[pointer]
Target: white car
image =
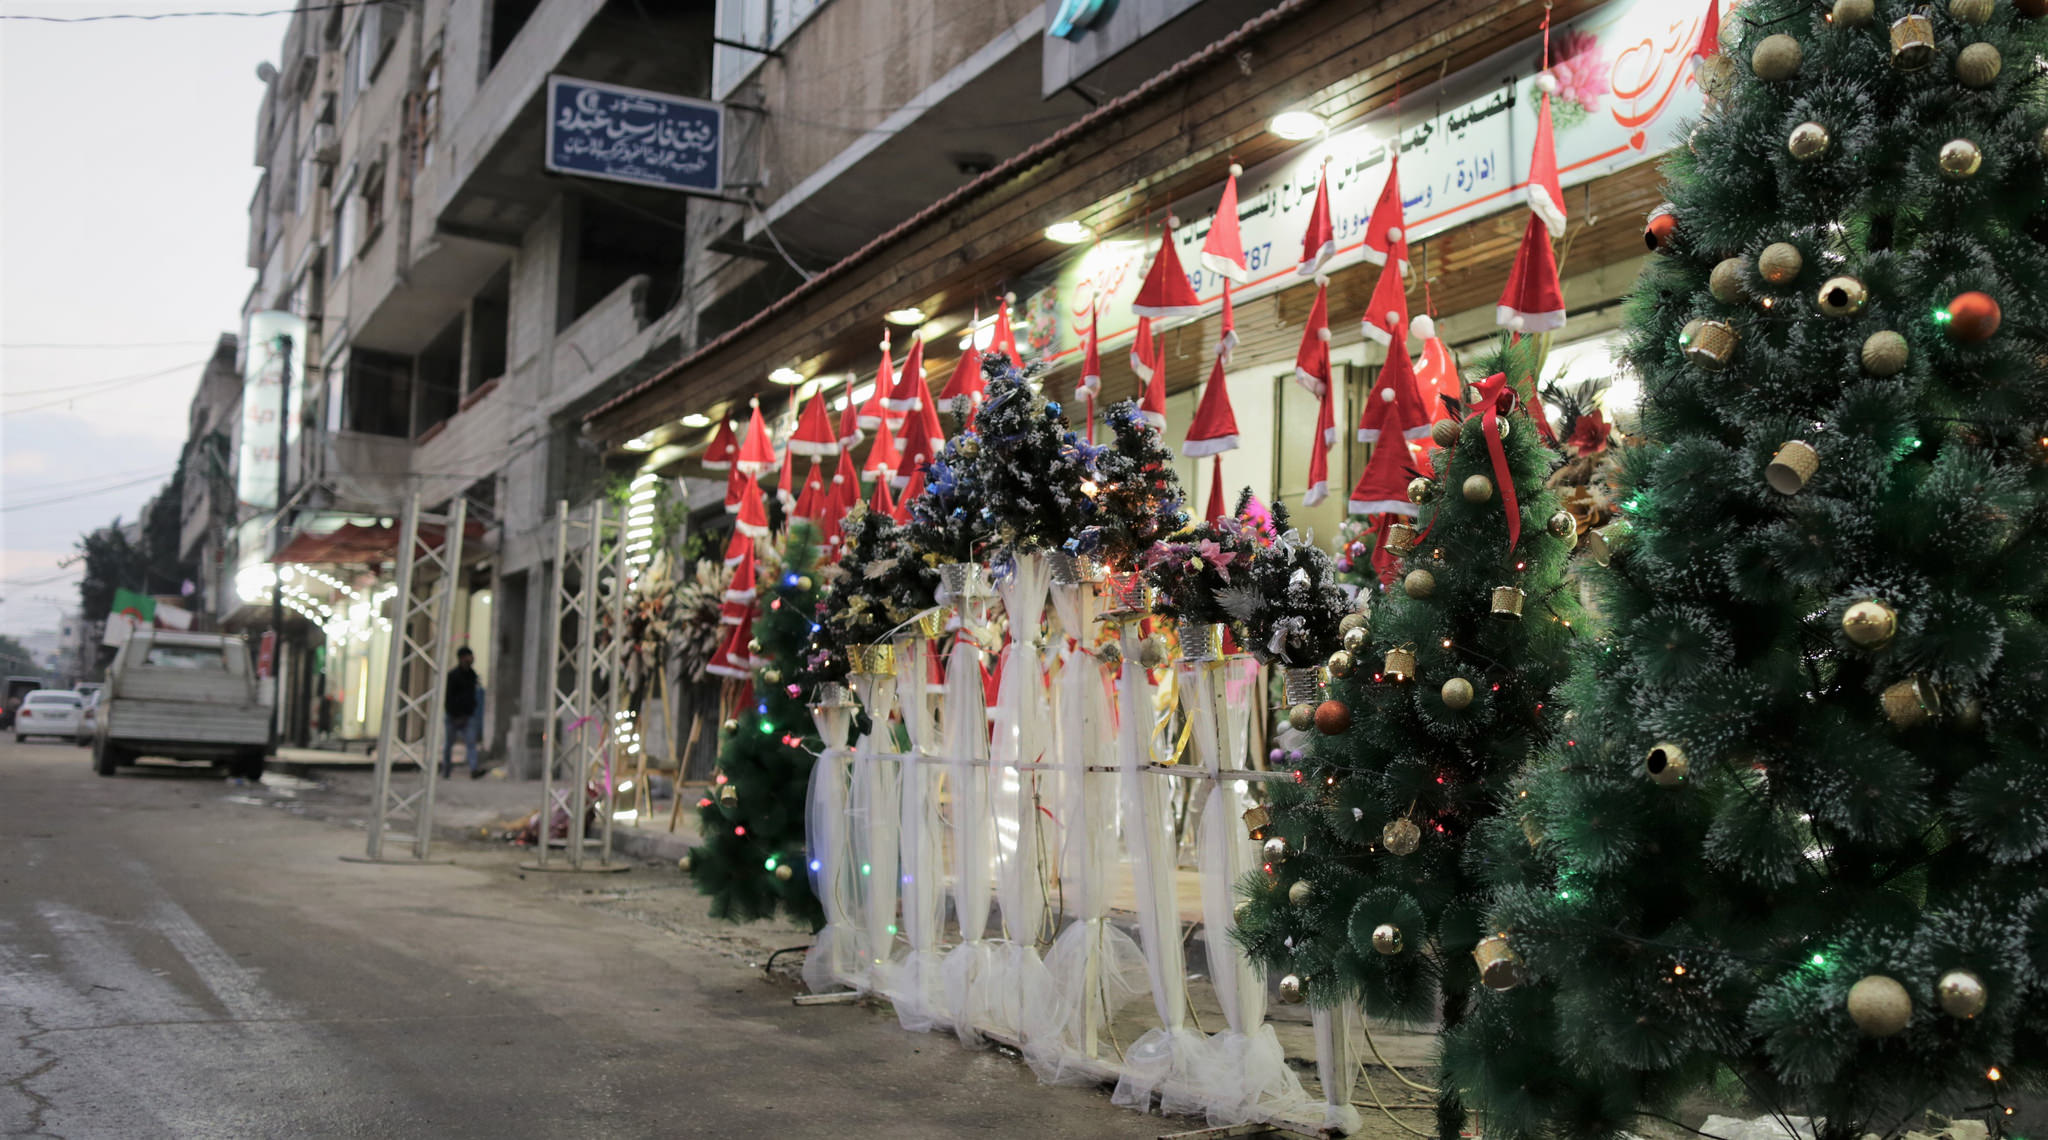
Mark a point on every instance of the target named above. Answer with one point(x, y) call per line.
point(88, 717)
point(48, 712)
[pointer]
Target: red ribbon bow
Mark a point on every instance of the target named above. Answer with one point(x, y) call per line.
point(1496, 397)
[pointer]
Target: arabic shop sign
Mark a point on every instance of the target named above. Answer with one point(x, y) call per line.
point(1625, 92)
point(623, 134)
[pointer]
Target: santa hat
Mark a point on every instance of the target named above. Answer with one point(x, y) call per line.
point(735, 489)
point(844, 489)
point(742, 586)
point(875, 413)
point(1227, 343)
point(1436, 373)
point(757, 454)
point(724, 445)
point(732, 658)
point(909, 393)
point(784, 490)
point(880, 502)
point(1218, 509)
point(932, 431)
point(1394, 408)
point(1709, 46)
point(1383, 485)
point(733, 613)
point(1152, 405)
point(1312, 359)
point(966, 379)
point(737, 547)
point(1005, 340)
point(753, 517)
point(1215, 427)
point(1166, 293)
point(1386, 315)
point(1319, 241)
point(1546, 193)
point(1223, 250)
point(1386, 235)
point(1144, 361)
point(901, 511)
point(1091, 361)
point(814, 435)
point(1532, 301)
point(882, 457)
point(1319, 451)
point(916, 450)
point(849, 422)
point(807, 503)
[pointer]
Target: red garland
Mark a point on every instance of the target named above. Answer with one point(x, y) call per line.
point(1494, 397)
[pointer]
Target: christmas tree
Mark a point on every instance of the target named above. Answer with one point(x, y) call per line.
point(1792, 842)
point(751, 854)
point(1031, 471)
point(1133, 497)
point(1435, 702)
point(946, 523)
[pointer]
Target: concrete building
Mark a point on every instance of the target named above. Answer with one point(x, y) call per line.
point(207, 513)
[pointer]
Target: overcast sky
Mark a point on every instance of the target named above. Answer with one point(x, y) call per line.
point(126, 165)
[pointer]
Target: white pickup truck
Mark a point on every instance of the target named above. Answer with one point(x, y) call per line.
point(185, 696)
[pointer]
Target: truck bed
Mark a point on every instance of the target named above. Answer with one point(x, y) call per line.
point(208, 727)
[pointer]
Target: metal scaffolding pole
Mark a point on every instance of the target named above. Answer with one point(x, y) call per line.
point(422, 630)
point(582, 683)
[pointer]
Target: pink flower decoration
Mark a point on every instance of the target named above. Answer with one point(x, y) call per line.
point(1581, 72)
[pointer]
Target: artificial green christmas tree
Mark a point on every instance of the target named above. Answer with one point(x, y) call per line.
point(751, 856)
point(1438, 699)
point(1792, 843)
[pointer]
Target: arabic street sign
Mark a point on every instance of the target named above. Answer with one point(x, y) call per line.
point(623, 134)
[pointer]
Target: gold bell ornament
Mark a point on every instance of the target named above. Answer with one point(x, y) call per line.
point(1500, 968)
point(1401, 836)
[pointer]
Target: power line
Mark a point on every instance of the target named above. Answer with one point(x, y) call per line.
point(76, 495)
point(91, 387)
point(188, 15)
point(50, 344)
point(68, 484)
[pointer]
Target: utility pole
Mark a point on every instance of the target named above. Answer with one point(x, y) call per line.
point(282, 346)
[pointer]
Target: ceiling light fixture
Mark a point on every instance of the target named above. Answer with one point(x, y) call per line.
point(1296, 125)
point(785, 376)
point(909, 318)
point(638, 443)
point(1069, 232)
point(693, 420)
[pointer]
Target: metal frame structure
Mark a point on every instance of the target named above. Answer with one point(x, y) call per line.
point(422, 629)
point(584, 653)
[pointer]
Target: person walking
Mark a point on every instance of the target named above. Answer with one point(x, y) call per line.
point(460, 706)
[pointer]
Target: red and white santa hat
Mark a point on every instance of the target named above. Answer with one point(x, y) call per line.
point(1144, 361)
point(844, 490)
point(966, 379)
point(1227, 342)
point(1319, 240)
point(849, 422)
point(1090, 383)
point(875, 414)
point(1709, 45)
point(737, 547)
point(1385, 320)
point(1386, 235)
point(742, 586)
point(1546, 192)
point(1218, 508)
point(1214, 429)
point(1312, 359)
point(1166, 294)
point(753, 516)
point(1223, 249)
point(1394, 408)
point(1319, 451)
point(909, 392)
point(731, 660)
point(757, 453)
point(718, 455)
point(807, 503)
point(1532, 302)
point(1382, 487)
point(785, 491)
point(1152, 405)
point(932, 431)
point(881, 502)
point(814, 435)
point(733, 613)
point(916, 450)
point(882, 458)
point(911, 491)
point(735, 489)
point(1005, 341)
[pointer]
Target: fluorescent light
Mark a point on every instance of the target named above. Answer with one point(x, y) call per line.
point(981, 335)
point(909, 318)
point(1296, 125)
point(1069, 232)
point(859, 394)
point(693, 420)
point(638, 443)
point(785, 376)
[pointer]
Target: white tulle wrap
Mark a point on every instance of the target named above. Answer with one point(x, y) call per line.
point(1093, 969)
point(834, 959)
point(915, 985)
point(872, 826)
point(1338, 1032)
point(968, 966)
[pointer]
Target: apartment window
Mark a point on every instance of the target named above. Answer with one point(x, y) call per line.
point(346, 226)
point(372, 203)
point(507, 18)
point(375, 33)
point(426, 118)
point(766, 23)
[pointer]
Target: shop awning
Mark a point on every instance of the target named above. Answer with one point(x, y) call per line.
point(353, 543)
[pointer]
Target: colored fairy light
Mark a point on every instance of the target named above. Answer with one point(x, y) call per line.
point(767, 729)
point(789, 580)
point(1993, 1074)
point(740, 830)
point(762, 708)
point(816, 865)
point(1942, 317)
point(769, 864)
point(1679, 969)
point(864, 869)
point(1819, 960)
point(892, 928)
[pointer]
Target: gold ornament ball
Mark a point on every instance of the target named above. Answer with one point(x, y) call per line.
point(1275, 849)
point(1386, 938)
point(1333, 718)
point(1401, 836)
point(1562, 525)
point(1880, 1006)
point(1870, 623)
point(1726, 282)
point(683, 864)
point(1962, 994)
point(784, 873)
point(1776, 58)
point(1290, 989)
point(1419, 584)
point(1302, 717)
point(803, 582)
point(1356, 637)
point(1959, 159)
point(772, 676)
point(1854, 13)
point(1342, 664)
point(1780, 263)
point(1885, 354)
point(1910, 703)
point(1666, 764)
point(1299, 892)
point(1457, 693)
point(1478, 489)
point(1421, 490)
point(1978, 65)
point(970, 447)
point(754, 646)
point(1444, 433)
point(1809, 141)
point(1842, 297)
point(1972, 12)
point(1350, 622)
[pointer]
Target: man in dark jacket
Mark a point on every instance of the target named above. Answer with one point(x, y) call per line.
point(461, 704)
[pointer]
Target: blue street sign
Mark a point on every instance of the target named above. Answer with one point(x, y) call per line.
point(600, 130)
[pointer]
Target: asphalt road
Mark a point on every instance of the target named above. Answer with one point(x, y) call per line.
point(179, 958)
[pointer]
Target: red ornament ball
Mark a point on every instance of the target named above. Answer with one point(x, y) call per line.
point(1333, 718)
point(1973, 317)
point(1662, 228)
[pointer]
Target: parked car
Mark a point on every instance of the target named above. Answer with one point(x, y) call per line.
point(184, 696)
point(48, 712)
point(17, 688)
point(88, 716)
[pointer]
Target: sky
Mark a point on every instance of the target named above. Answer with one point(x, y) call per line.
point(126, 165)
